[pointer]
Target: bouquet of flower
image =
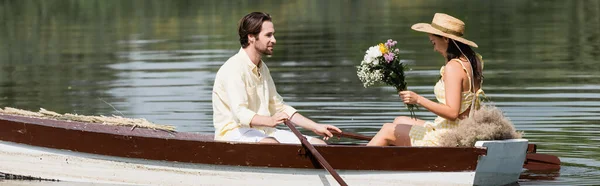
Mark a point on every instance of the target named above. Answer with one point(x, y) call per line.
point(381, 65)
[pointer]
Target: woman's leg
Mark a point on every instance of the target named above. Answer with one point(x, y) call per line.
point(396, 133)
point(408, 121)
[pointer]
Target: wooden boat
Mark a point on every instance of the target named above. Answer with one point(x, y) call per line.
point(87, 152)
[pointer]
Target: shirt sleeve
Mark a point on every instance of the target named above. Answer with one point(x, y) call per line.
point(276, 102)
point(238, 99)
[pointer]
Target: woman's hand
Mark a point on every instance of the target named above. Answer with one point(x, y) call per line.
point(409, 97)
point(323, 130)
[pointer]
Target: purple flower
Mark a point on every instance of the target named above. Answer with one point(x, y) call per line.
point(389, 57)
point(390, 43)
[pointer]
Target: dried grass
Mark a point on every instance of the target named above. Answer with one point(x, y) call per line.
point(487, 123)
point(105, 120)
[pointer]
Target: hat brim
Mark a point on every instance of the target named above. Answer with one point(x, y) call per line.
point(427, 28)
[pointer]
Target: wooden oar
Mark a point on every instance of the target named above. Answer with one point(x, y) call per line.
point(533, 161)
point(316, 154)
point(540, 162)
point(351, 135)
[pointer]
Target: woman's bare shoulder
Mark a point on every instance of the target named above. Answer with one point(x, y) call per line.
point(453, 68)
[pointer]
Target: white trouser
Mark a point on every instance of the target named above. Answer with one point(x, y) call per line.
point(253, 136)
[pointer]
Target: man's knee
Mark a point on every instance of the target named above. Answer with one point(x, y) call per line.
point(317, 141)
point(268, 140)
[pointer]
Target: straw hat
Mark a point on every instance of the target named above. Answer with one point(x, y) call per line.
point(447, 26)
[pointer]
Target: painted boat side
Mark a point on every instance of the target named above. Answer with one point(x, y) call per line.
point(84, 167)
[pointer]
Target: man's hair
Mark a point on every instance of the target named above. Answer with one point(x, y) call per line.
point(251, 24)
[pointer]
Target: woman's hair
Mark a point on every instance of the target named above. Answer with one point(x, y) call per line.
point(251, 24)
point(454, 52)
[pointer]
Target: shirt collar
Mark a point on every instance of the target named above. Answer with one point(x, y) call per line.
point(248, 62)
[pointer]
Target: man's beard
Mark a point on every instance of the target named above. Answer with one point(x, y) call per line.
point(265, 51)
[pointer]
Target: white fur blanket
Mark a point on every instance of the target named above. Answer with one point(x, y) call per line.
point(487, 123)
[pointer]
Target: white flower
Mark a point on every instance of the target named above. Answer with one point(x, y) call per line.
point(372, 54)
point(369, 76)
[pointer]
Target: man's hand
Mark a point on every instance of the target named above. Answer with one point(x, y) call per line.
point(323, 130)
point(278, 118)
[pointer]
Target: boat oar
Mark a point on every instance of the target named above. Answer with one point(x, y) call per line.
point(351, 135)
point(533, 161)
point(316, 154)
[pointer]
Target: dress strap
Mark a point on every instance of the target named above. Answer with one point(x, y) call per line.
point(471, 86)
point(466, 71)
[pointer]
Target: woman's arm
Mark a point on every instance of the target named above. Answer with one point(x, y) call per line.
point(453, 76)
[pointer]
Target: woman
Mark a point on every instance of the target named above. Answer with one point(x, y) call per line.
point(457, 91)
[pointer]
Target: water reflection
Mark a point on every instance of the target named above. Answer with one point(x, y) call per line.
point(157, 60)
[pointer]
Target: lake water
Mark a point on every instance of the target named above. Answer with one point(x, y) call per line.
point(158, 59)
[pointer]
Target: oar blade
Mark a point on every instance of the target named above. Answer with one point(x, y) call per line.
point(541, 162)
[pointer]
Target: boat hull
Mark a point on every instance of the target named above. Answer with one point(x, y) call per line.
point(73, 151)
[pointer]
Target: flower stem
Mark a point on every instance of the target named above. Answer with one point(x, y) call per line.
point(411, 107)
point(400, 84)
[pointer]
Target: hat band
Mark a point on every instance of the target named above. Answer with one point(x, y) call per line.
point(446, 30)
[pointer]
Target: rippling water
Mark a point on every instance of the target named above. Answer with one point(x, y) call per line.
point(157, 60)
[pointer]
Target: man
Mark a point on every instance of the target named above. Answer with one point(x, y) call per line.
point(246, 105)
